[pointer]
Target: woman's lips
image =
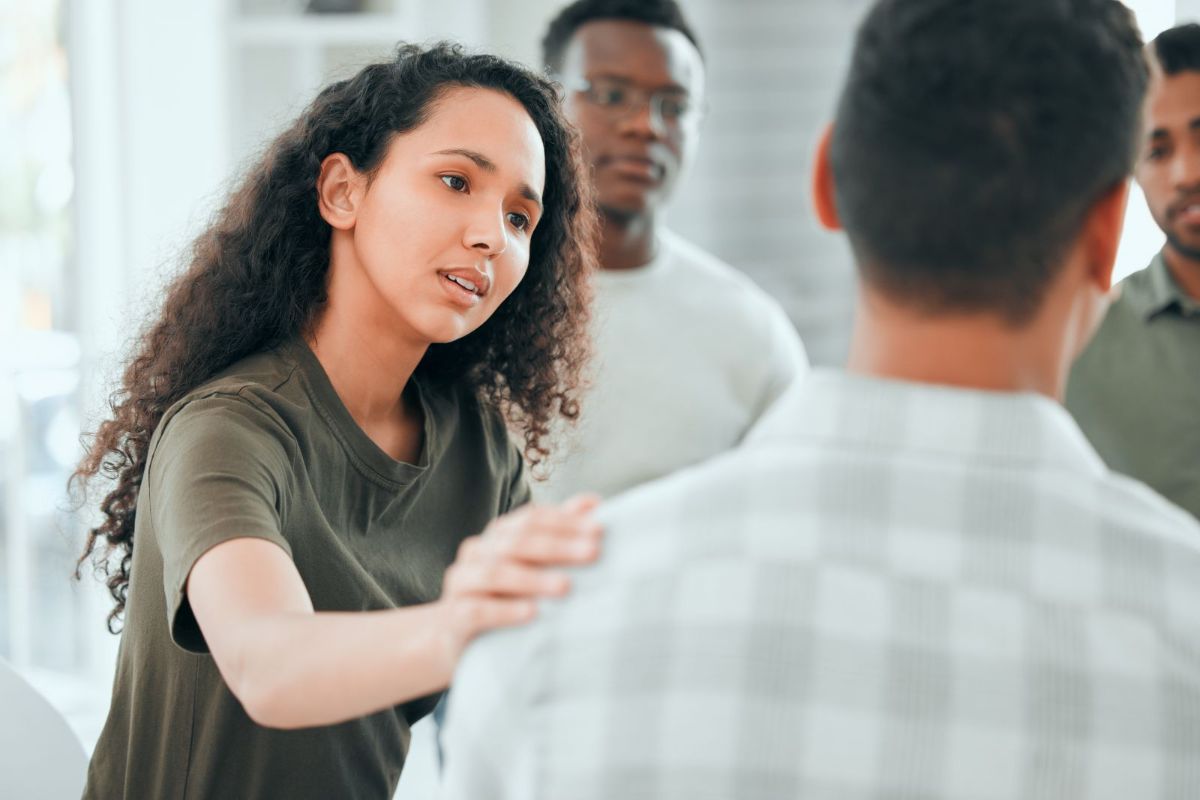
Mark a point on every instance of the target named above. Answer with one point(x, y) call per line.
point(460, 294)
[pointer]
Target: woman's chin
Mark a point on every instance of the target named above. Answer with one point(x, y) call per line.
point(448, 331)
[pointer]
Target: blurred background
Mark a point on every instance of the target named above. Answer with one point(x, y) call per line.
point(124, 122)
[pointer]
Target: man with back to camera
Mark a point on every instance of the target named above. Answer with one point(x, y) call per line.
point(688, 351)
point(1136, 389)
point(915, 578)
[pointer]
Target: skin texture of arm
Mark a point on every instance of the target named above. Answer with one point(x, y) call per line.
point(293, 667)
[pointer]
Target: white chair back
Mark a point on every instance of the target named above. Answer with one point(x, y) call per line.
point(40, 757)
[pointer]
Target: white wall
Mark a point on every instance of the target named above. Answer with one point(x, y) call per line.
point(1187, 10)
point(174, 118)
point(775, 66)
point(774, 71)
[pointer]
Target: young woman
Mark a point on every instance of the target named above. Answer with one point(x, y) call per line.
point(318, 420)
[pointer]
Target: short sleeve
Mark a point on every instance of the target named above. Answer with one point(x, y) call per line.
point(219, 471)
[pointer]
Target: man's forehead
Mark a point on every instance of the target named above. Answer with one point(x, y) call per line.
point(637, 50)
point(1172, 100)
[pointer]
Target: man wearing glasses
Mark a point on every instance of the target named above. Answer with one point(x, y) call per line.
point(689, 352)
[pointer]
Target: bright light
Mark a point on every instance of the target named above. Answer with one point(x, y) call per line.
point(1153, 16)
point(1140, 239)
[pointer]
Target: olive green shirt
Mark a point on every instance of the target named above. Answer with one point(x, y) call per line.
point(268, 450)
point(1136, 389)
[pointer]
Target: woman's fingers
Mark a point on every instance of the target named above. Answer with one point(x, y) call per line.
point(510, 558)
point(557, 520)
point(544, 534)
point(498, 576)
point(543, 549)
point(474, 615)
point(505, 578)
point(581, 503)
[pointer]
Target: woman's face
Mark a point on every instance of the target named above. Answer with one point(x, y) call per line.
point(442, 233)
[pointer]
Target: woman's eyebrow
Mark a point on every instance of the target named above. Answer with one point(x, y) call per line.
point(481, 161)
point(487, 165)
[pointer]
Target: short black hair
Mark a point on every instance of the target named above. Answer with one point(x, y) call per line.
point(1178, 49)
point(973, 136)
point(659, 13)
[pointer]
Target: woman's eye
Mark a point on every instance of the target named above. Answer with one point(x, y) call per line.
point(455, 182)
point(518, 221)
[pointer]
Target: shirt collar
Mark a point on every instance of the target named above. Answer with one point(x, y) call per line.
point(1162, 293)
point(855, 411)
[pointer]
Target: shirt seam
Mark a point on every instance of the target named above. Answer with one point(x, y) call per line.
point(187, 769)
point(360, 465)
point(241, 392)
point(286, 463)
point(364, 469)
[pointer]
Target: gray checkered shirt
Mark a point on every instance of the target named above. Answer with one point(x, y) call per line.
point(890, 590)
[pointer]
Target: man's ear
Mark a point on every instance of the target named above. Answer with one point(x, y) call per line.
point(1102, 234)
point(339, 189)
point(822, 184)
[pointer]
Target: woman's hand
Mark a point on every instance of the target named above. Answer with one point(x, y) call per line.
point(499, 575)
point(257, 618)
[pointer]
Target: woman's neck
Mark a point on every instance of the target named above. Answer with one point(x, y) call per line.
point(367, 359)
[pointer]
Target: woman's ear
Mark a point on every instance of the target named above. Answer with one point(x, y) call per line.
point(822, 184)
point(339, 190)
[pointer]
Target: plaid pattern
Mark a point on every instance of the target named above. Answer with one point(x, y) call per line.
point(890, 591)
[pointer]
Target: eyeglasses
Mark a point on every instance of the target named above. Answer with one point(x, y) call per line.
point(670, 109)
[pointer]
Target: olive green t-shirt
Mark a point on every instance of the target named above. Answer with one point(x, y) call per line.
point(268, 450)
point(1135, 391)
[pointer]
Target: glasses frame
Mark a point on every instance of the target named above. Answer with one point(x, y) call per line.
point(638, 96)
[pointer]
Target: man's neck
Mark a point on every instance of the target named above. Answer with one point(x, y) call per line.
point(971, 351)
point(1185, 271)
point(627, 242)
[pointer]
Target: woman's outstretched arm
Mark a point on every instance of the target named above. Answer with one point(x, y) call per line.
point(292, 667)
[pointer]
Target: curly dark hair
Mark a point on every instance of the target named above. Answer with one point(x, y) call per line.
point(257, 277)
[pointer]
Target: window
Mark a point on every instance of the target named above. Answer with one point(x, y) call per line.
point(51, 628)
